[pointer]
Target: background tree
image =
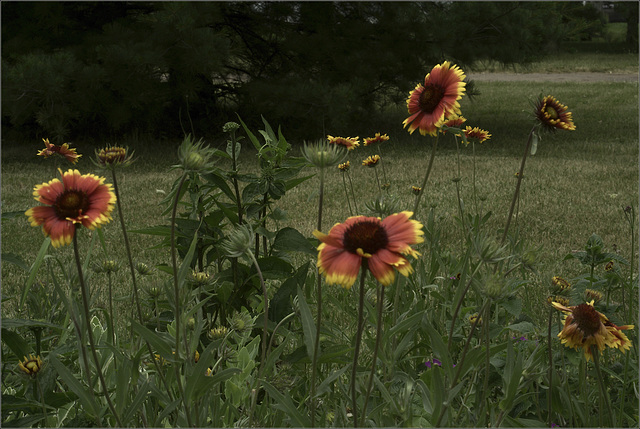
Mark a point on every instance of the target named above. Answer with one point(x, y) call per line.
point(114, 69)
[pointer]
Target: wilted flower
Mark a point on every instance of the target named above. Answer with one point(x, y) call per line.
point(584, 327)
point(51, 149)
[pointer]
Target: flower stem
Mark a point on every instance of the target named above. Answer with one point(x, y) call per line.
point(459, 304)
point(550, 356)
point(445, 405)
point(355, 203)
point(517, 192)
point(426, 176)
point(356, 352)
point(136, 295)
point(316, 343)
point(176, 290)
point(603, 392)
point(346, 193)
point(375, 353)
point(111, 328)
point(85, 304)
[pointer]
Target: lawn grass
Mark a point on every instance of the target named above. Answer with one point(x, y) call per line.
point(576, 185)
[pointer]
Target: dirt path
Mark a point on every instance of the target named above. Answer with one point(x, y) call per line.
point(554, 77)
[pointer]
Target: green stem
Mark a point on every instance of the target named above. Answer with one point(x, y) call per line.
point(176, 291)
point(475, 198)
point(603, 391)
point(517, 192)
point(550, 356)
point(378, 180)
point(316, 343)
point(446, 404)
point(113, 333)
point(355, 203)
point(346, 193)
point(356, 352)
point(85, 304)
point(426, 176)
point(375, 353)
point(263, 358)
point(459, 304)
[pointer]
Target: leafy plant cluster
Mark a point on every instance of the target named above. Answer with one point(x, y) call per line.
point(227, 332)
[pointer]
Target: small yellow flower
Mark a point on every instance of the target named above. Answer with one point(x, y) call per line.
point(31, 365)
point(344, 166)
point(593, 295)
point(553, 115)
point(416, 189)
point(477, 134)
point(560, 283)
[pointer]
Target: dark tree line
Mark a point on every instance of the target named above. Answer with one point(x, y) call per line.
point(160, 69)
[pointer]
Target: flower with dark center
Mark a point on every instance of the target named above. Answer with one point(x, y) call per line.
point(431, 103)
point(553, 115)
point(65, 151)
point(377, 245)
point(76, 200)
point(584, 327)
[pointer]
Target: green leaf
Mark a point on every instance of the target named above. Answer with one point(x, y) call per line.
point(534, 143)
point(441, 351)
point(522, 327)
point(308, 324)
point(12, 258)
point(18, 345)
point(11, 215)
point(34, 268)
point(221, 183)
point(284, 403)
point(252, 136)
point(138, 400)
point(162, 346)
point(69, 378)
point(26, 323)
point(291, 240)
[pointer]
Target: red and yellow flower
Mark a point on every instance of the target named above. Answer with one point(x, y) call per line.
point(584, 327)
point(476, 134)
point(431, 103)
point(453, 121)
point(349, 142)
point(76, 200)
point(51, 149)
point(553, 115)
point(377, 245)
point(378, 138)
point(344, 166)
point(371, 161)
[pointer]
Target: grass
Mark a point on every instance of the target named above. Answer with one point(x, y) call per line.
point(576, 185)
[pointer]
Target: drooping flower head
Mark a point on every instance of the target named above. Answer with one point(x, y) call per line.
point(378, 245)
point(371, 161)
point(378, 138)
point(430, 103)
point(349, 142)
point(79, 199)
point(65, 151)
point(584, 327)
point(477, 134)
point(553, 115)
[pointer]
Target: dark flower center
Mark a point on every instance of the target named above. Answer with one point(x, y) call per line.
point(553, 113)
point(587, 319)
point(367, 235)
point(71, 204)
point(430, 98)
